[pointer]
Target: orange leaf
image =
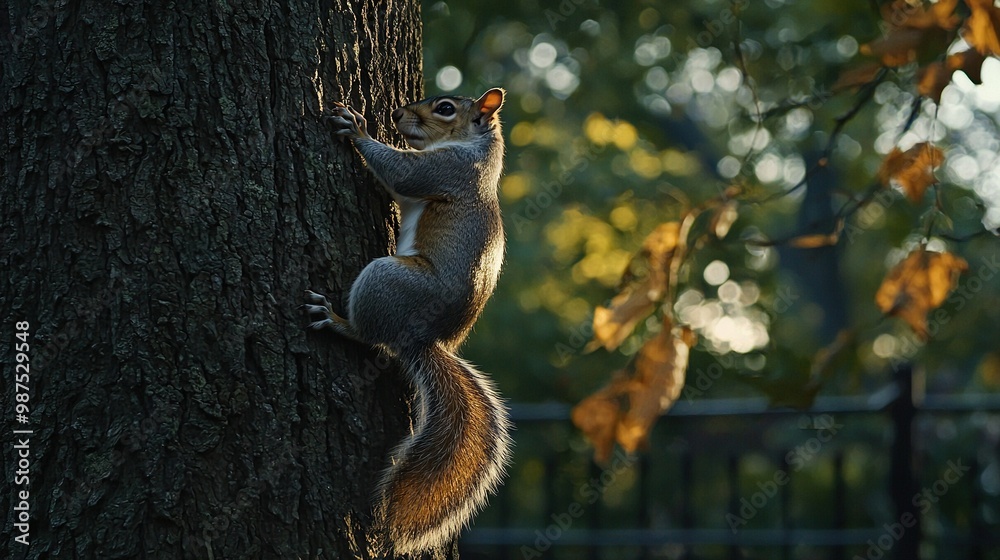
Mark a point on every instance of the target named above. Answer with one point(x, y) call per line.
point(912, 170)
point(970, 62)
point(919, 284)
point(911, 26)
point(658, 249)
point(597, 417)
point(932, 79)
point(626, 409)
point(982, 29)
point(902, 13)
point(858, 76)
point(897, 48)
point(613, 324)
point(658, 379)
point(815, 240)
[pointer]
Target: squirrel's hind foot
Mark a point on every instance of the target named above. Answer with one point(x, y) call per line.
point(317, 304)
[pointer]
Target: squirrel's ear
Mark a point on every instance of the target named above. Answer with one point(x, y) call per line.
point(489, 103)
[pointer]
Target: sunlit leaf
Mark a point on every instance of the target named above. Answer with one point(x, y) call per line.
point(626, 409)
point(658, 249)
point(912, 170)
point(919, 284)
point(982, 29)
point(614, 323)
point(639, 296)
point(597, 417)
point(932, 79)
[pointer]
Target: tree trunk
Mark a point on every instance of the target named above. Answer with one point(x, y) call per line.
point(169, 191)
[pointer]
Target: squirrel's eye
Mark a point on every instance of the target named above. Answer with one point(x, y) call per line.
point(445, 109)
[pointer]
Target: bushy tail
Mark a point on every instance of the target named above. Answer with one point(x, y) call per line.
point(441, 474)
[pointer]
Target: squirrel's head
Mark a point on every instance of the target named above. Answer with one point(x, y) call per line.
point(447, 118)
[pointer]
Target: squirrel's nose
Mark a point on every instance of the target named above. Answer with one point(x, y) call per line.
point(397, 115)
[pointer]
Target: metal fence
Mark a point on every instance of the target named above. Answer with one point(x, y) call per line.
point(870, 482)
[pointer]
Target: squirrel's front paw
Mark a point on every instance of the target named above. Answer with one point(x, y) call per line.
point(347, 122)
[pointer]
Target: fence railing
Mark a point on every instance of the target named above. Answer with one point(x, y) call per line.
point(662, 513)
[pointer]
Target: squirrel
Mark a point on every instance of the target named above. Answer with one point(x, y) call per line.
point(421, 303)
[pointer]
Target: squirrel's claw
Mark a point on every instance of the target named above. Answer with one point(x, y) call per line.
point(342, 126)
point(317, 325)
point(317, 304)
point(317, 298)
point(347, 121)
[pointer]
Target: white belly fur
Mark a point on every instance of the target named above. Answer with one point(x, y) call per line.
point(409, 217)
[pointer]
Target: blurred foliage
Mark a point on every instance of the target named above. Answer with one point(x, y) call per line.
point(619, 119)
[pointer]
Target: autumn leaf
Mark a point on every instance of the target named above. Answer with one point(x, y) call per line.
point(658, 249)
point(659, 371)
point(982, 28)
point(912, 29)
point(912, 170)
point(857, 76)
point(897, 48)
point(614, 323)
point(638, 298)
point(597, 417)
point(915, 15)
point(932, 79)
point(626, 409)
point(815, 240)
point(804, 241)
point(970, 62)
point(919, 284)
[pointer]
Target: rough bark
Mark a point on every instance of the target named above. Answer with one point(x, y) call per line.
point(168, 192)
